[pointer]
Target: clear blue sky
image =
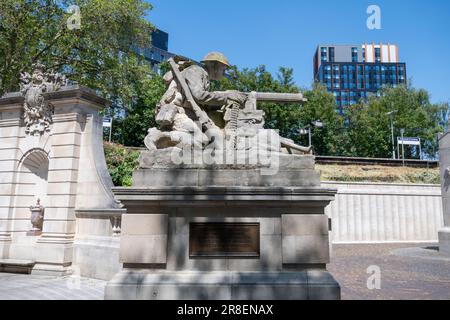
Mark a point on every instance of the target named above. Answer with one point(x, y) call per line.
point(287, 32)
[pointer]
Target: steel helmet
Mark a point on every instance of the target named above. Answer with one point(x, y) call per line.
point(216, 56)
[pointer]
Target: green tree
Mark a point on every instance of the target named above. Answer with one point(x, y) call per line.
point(369, 125)
point(98, 55)
point(132, 129)
point(331, 139)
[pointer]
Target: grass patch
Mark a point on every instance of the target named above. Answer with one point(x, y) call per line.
point(358, 173)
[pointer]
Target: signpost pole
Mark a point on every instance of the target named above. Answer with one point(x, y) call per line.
point(107, 123)
point(310, 137)
point(392, 133)
point(402, 131)
point(420, 149)
point(110, 130)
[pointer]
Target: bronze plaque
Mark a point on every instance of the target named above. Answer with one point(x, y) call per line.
point(224, 240)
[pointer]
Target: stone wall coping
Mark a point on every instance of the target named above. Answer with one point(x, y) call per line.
point(223, 196)
point(224, 190)
point(73, 91)
point(381, 184)
point(99, 213)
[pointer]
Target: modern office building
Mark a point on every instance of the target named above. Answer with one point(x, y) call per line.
point(353, 72)
point(159, 50)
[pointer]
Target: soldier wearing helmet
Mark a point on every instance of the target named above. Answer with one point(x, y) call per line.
point(172, 111)
point(215, 65)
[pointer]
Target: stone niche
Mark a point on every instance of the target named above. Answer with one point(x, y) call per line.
point(225, 233)
point(65, 168)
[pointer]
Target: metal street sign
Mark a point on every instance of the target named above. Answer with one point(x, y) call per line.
point(409, 141)
point(107, 123)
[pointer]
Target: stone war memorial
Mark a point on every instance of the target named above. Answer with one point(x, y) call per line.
point(220, 208)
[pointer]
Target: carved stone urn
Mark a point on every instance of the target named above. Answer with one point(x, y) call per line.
point(37, 218)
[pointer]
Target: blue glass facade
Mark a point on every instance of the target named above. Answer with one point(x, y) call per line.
point(350, 82)
point(355, 78)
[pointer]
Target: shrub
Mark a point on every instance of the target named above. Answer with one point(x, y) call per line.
point(121, 163)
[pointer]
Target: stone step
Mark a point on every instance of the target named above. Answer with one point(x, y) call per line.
point(16, 266)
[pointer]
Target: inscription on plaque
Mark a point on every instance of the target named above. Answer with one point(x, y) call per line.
point(224, 240)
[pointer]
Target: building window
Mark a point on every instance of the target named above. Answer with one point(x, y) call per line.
point(323, 54)
point(331, 54)
point(354, 54)
point(364, 54)
point(377, 55)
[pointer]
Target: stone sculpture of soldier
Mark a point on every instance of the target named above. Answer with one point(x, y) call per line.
point(184, 113)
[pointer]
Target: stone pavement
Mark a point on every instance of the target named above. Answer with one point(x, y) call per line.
point(408, 271)
point(30, 287)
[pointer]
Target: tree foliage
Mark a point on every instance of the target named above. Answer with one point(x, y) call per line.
point(98, 55)
point(370, 127)
point(132, 129)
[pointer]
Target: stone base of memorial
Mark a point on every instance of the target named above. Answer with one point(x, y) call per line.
point(225, 232)
point(444, 241)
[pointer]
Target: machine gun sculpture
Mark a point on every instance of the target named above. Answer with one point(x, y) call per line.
point(252, 117)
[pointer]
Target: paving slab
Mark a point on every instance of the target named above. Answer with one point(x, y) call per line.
point(408, 272)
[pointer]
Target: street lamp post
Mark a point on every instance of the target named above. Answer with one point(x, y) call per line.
point(308, 130)
point(391, 115)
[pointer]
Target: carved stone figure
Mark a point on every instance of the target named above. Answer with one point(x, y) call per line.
point(37, 216)
point(192, 116)
point(38, 112)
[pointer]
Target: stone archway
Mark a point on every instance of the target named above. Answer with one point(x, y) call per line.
point(31, 182)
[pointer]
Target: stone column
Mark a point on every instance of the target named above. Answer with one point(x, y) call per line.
point(444, 161)
point(10, 155)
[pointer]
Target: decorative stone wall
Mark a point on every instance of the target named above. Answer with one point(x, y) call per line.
point(65, 168)
point(381, 212)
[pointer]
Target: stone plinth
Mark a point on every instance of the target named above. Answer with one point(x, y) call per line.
point(223, 285)
point(288, 211)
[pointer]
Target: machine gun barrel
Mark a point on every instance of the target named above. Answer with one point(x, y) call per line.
point(279, 97)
